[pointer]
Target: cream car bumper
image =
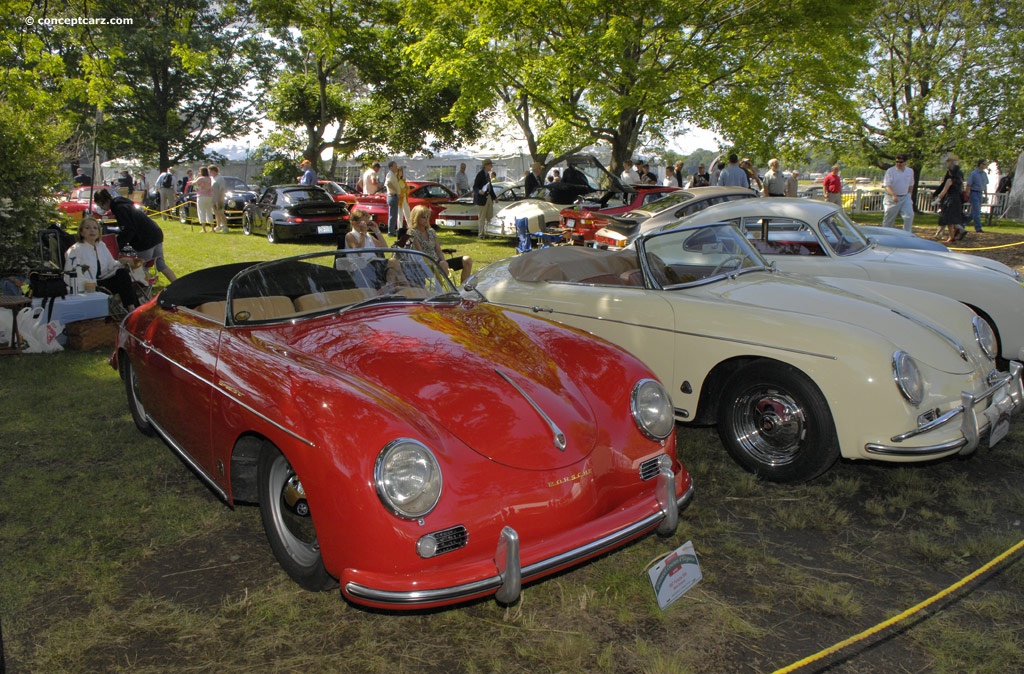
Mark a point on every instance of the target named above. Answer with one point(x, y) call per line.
point(987, 412)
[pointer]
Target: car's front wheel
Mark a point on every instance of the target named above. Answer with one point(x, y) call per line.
point(775, 422)
point(135, 406)
point(290, 529)
point(247, 224)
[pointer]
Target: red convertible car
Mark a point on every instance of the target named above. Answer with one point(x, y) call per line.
point(434, 195)
point(415, 447)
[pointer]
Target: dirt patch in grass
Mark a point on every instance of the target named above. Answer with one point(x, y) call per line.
point(1005, 247)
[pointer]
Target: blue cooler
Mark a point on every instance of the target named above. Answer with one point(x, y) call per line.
point(77, 308)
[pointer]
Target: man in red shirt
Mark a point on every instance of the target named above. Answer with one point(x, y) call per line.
point(833, 186)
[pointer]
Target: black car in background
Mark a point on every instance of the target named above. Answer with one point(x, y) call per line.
point(236, 196)
point(288, 212)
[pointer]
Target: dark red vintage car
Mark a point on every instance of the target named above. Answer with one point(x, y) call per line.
point(434, 195)
point(414, 446)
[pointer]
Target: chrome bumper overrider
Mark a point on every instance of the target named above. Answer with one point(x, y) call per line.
point(1007, 398)
point(511, 575)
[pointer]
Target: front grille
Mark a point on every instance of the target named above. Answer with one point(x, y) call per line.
point(451, 539)
point(649, 468)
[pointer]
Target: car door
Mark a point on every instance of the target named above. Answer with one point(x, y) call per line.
point(181, 357)
point(264, 207)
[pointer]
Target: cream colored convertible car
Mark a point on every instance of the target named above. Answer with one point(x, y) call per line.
point(816, 238)
point(794, 372)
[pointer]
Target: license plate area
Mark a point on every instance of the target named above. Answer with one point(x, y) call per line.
point(324, 229)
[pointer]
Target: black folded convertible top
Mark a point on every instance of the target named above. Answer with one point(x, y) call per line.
point(205, 285)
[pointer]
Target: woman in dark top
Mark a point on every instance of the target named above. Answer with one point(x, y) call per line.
point(950, 200)
point(137, 230)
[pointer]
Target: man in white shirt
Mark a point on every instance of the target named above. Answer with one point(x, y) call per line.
point(462, 181)
point(393, 190)
point(165, 188)
point(219, 189)
point(369, 179)
point(898, 184)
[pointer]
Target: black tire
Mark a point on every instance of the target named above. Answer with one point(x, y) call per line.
point(775, 422)
point(247, 224)
point(271, 234)
point(135, 406)
point(292, 537)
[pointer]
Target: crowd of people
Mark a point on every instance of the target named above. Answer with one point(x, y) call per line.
point(957, 198)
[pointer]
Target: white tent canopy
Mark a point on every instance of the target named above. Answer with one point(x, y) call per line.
point(1015, 202)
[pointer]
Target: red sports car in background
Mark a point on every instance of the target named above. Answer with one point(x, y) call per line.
point(498, 449)
point(80, 201)
point(434, 195)
point(340, 192)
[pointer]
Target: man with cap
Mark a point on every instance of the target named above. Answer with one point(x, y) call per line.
point(898, 184)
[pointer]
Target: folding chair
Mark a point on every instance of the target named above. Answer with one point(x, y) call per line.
point(143, 271)
point(524, 243)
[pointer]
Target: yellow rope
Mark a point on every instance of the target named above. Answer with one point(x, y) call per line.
point(903, 616)
point(1004, 245)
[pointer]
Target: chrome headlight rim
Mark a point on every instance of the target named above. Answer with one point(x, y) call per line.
point(907, 376)
point(986, 337)
point(422, 503)
point(655, 424)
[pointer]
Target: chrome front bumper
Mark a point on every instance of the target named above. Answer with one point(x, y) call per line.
point(1006, 398)
point(506, 585)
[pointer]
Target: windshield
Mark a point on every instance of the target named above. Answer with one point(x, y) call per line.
point(319, 283)
point(842, 235)
point(697, 255)
point(668, 202)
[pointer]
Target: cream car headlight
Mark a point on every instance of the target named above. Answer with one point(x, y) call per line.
point(986, 337)
point(652, 409)
point(908, 377)
point(408, 478)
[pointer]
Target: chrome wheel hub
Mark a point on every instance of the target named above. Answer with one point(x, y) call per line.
point(771, 425)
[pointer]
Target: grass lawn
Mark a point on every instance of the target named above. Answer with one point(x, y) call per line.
point(117, 559)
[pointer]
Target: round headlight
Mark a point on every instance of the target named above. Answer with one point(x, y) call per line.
point(232, 203)
point(652, 409)
point(408, 478)
point(908, 377)
point(986, 337)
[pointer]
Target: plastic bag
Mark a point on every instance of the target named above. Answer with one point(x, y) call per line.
point(38, 335)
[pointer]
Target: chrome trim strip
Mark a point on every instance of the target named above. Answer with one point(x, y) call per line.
point(537, 309)
point(188, 461)
point(415, 597)
point(887, 450)
point(559, 436)
point(941, 333)
point(221, 388)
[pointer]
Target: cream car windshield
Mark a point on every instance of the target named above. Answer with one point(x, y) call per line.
point(841, 235)
point(699, 255)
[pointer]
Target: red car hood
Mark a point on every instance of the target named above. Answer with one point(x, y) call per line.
point(468, 368)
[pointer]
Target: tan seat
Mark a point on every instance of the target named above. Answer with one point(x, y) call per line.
point(250, 308)
point(332, 299)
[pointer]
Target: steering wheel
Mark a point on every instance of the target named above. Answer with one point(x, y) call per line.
point(736, 261)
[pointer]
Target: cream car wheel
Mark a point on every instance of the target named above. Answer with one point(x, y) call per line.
point(776, 423)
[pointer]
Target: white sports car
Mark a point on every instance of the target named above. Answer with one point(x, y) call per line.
point(795, 373)
point(816, 238)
